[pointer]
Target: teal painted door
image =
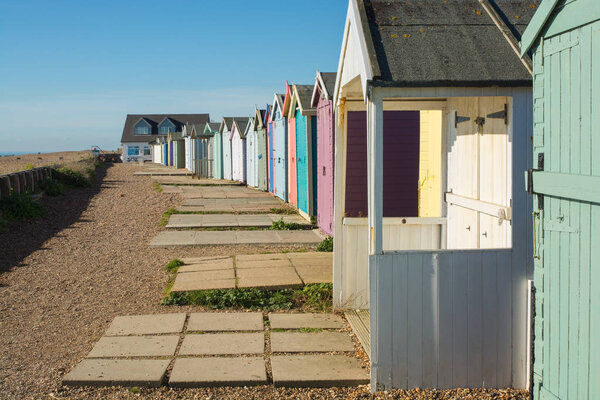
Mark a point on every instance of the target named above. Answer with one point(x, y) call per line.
point(302, 162)
point(567, 215)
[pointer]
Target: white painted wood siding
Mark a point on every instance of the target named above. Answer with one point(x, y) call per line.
point(447, 319)
point(413, 234)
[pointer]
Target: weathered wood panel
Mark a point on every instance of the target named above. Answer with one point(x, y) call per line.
point(325, 166)
point(444, 319)
point(413, 234)
point(567, 114)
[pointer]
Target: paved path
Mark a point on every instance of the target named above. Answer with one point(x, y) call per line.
point(232, 353)
point(204, 238)
point(215, 192)
point(232, 220)
point(163, 172)
point(265, 271)
point(231, 205)
point(185, 180)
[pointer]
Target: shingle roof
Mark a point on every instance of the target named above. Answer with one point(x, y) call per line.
point(304, 96)
point(214, 126)
point(446, 42)
point(329, 81)
point(154, 120)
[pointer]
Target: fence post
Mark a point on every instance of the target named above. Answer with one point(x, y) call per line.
point(4, 185)
point(15, 183)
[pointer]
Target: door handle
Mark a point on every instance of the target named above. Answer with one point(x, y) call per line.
point(469, 227)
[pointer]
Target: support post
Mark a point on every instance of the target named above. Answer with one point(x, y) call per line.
point(375, 169)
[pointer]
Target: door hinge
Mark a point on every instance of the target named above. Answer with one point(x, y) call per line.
point(529, 183)
point(500, 114)
point(458, 119)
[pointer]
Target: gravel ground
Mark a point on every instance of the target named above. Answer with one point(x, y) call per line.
point(65, 277)
point(17, 163)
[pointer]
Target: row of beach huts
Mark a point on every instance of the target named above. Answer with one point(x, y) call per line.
point(454, 157)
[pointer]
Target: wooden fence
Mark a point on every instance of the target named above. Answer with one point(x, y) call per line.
point(447, 319)
point(23, 181)
point(352, 290)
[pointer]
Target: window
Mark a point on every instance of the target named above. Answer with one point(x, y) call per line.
point(166, 127)
point(133, 150)
point(147, 151)
point(142, 128)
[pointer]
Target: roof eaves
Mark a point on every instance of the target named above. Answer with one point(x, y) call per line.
point(536, 25)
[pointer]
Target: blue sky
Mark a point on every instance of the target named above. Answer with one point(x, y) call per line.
point(70, 70)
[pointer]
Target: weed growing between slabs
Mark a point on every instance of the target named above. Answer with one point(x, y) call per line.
point(281, 225)
point(158, 187)
point(326, 245)
point(312, 297)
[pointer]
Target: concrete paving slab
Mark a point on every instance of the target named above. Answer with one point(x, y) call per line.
point(198, 282)
point(209, 371)
point(234, 202)
point(308, 320)
point(303, 342)
point(163, 172)
point(284, 273)
point(315, 274)
point(212, 322)
point(265, 263)
point(214, 265)
point(200, 238)
point(308, 236)
point(310, 256)
point(260, 257)
point(257, 237)
point(134, 346)
point(222, 344)
point(99, 372)
point(201, 260)
point(269, 283)
point(317, 371)
point(174, 239)
point(167, 189)
point(215, 237)
point(185, 180)
point(208, 275)
point(146, 324)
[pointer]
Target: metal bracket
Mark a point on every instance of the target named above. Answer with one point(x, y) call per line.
point(500, 115)
point(480, 121)
point(530, 172)
point(458, 119)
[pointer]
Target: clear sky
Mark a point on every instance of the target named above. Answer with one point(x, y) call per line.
point(70, 70)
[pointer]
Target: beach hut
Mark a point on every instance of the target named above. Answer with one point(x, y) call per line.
point(270, 144)
point(201, 145)
point(176, 149)
point(432, 231)
point(261, 122)
point(292, 189)
point(564, 40)
point(165, 152)
point(280, 149)
point(322, 101)
point(251, 154)
point(238, 149)
point(304, 118)
point(215, 150)
point(225, 130)
point(157, 151)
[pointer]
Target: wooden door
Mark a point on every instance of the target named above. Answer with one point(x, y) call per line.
point(479, 170)
point(567, 215)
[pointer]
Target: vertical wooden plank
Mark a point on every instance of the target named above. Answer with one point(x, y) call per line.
point(574, 215)
point(382, 331)
point(553, 377)
point(504, 319)
point(594, 281)
point(445, 328)
point(415, 320)
point(565, 163)
point(475, 317)
point(375, 166)
point(400, 321)
point(430, 271)
point(489, 318)
point(460, 320)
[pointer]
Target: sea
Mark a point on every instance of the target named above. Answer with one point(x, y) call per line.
point(16, 153)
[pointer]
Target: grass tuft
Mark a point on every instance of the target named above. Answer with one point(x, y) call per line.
point(166, 215)
point(281, 225)
point(71, 178)
point(51, 187)
point(157, 187)
point(313, 297)
point(326, 245)
point(283, 210)
point(173, 265)
point(19, 207)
